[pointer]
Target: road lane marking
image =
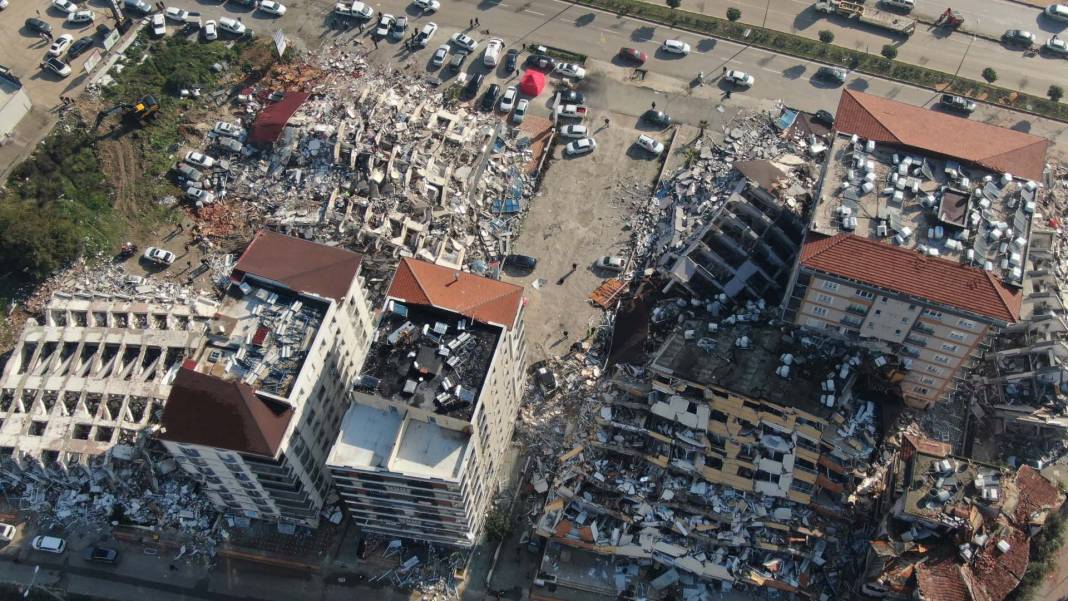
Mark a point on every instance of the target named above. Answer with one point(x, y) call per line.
point(533, 12)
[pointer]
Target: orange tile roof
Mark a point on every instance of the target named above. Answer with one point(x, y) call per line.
point(908, 272)
point(997, 148)
point(992, 574)
point(301, 265)
point(941, 580)
point(479, 298)
point(1035, 494)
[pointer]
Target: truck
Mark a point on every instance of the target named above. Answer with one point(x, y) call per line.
point(869, 16)
point(571, 110)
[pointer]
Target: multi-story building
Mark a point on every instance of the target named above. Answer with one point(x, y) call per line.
point(253, 411)
point(434, 407)
point(935, 313)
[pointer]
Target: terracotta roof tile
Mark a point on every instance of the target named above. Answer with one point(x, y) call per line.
point(907, 271)
point(941, 580)
point(208, 411)
point(993, 574)
point(304, 266)
point(928, 446)
point(997, 148)
point(1034, 494)
point(480, 298)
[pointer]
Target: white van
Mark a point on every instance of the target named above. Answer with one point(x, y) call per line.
point(1057, 12)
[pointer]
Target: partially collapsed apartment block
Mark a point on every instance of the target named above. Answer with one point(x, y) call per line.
point(94, 373)
point(253, 410)
point(434, 406)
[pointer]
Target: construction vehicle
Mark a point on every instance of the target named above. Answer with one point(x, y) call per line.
point(951, 19)
point(135, 114)
point(869, 16)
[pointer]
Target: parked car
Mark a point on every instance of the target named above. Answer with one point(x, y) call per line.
point(188, 173)
point(651, 144)
point(100, 554)
point(580, 147)
point(905, 5)
point(49, 544)
point(158, 24)
point(956, 103)
point(520, 112)
point(739, 79)
point(232, 25)
point(832, 74)
point(574, 131)
point(271, 7)
point(1019, 37)
point(64, 6)
point(570, 97)
point(56, 66)
point(427, 6)
point(424, 35)
point(81, 16)
point(541, 62)
point(38, 25)
point(137, 6)
point(199, 159)
point(675, 47)
point(1057, 12)
point(473, 84)
point(571, 70)
point(824, 118)
point(438, 58)
point(457, 61)
point(156, 255)
point(358, 10)
point(657, 118)
point(1056, 45)
point(400, 25)
point(633, 55)
point(7, 532)
point(508, 99)
point(61, 44)
point(492, 54)
point(80, 46)
point(611, 263)
point(176, 14)
point(229, 144)
point(490, 97)
point(511, 57)
point(464, 41)
point(211, 30)
point(229, 129)
point(522, 262)
point(199, 195)
point(385, 22)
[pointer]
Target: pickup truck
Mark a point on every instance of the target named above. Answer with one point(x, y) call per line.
point(957, 103)
point(571, 110)
point(870, 16)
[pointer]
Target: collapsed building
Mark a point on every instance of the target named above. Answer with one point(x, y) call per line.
point(252, 412)
point(953, 528)
point(419, 450)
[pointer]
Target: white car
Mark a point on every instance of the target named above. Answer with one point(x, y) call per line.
point(159, 26)
point(50, 544)
point(520, 111)
point(56, 66)
point(423, 37)
point(427, 6)
point(61, 44)
point(508, 99)
point(199, 195)
point(574, 131)
point(464, 41)
point(651, 144)
point(355, 9)
point(571, 70)
point(611, 263)
point(1057, 12)
point(272, 8)
point(3, 4)
point(160, 256)
point(199, 159)
point(229, 129)
point(440, 55)
point(676, 47)
point(385, 22)
point(492, 53)
point(1057, 46)
point(580, 147)
point(211, 30)
point(81, 16)
point(232, 25)
point(7, 532)
point(176, 14)
point(739, 78)
point(65, 6)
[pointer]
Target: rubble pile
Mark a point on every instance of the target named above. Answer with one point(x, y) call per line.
point(430, 572)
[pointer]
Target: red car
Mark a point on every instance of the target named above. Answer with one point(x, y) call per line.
point(633, 55)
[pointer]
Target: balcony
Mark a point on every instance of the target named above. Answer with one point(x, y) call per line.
point(851, 322)
point(857, 309)
point(923, 328)
point(915, 341)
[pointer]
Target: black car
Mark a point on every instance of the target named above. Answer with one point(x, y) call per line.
point(572, 97)
point(457, 61)
point(102, 31)
point(35, 24)
point(101, 554)
point(1018, 37)
point(823, 118)
point(474, 84)
point(832, 74)
point(80, 46)
point(657, 118)
point(490, 97)
point(541, 62)
point(521, 262)
point(510, 59)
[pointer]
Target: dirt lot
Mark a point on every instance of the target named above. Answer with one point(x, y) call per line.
point(575, 219)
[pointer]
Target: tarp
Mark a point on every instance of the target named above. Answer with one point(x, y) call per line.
point(532, 82)
point(269, 123)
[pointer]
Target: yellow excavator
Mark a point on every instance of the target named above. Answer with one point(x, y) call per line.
point(135, 114)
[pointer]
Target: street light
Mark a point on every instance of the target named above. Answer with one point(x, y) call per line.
point(26, 593)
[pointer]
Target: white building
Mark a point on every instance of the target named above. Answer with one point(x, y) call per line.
point(253, 412)
point(420, 449)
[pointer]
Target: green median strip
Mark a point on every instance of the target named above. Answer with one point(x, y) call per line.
point(863, 62)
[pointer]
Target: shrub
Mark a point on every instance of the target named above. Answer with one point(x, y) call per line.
point(889, 51)
point(1055, 93)
point(733, 14)
point(990, 75)
point(826, 36)
point(674, 4)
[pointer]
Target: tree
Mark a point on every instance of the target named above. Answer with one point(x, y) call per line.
point(674, 4)
point(990, 75)
point(826, 36)
point(733, 14)
point(1055, 93)
point(889, 51)
point(497, 525)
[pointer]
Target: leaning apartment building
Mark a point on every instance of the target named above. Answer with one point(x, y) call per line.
point(434, 406)
point(253, 410)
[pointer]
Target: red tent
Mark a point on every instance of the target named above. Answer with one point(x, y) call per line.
point(532, 83)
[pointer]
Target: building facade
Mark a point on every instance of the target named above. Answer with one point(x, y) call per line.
point(433, 412)
point(253, 412)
